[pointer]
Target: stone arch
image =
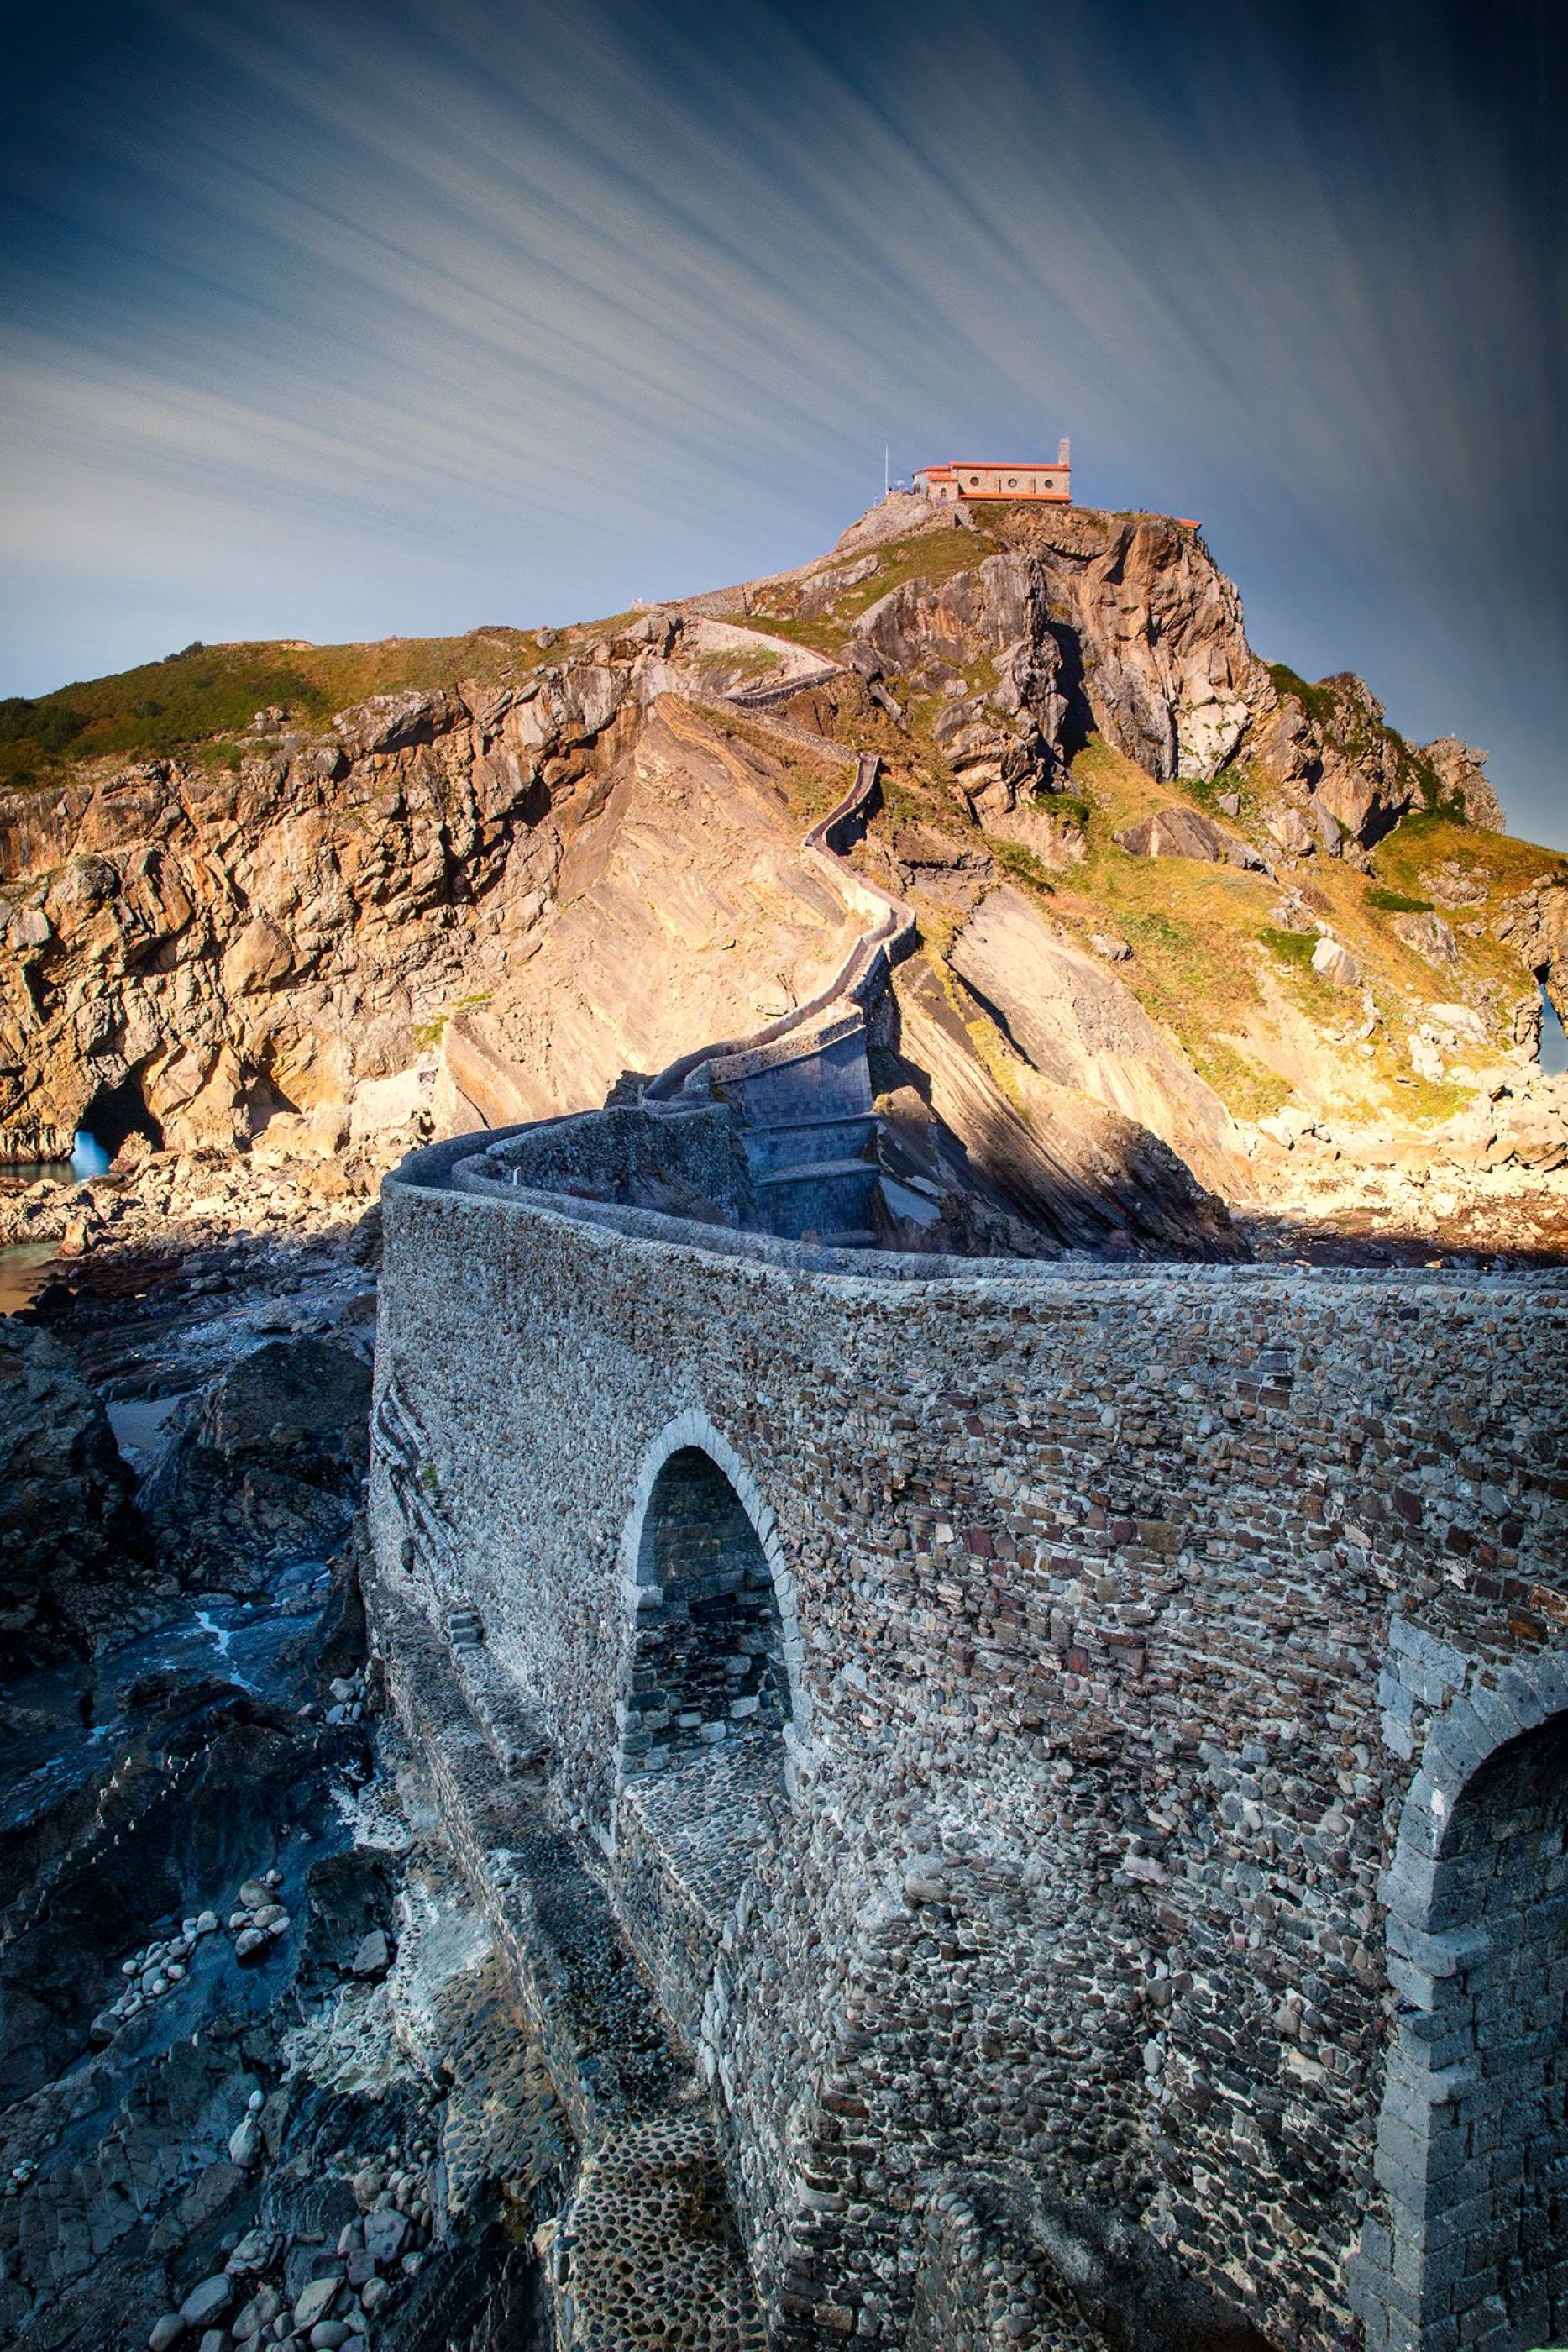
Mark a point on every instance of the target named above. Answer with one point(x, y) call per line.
point(1472, 2138)
point(713, 1653)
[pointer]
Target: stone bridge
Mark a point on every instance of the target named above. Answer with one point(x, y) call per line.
point(1026, 1804)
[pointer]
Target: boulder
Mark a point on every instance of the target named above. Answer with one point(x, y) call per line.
point(264, 2307)
point(293, 1392)
point(1175, 833)
point(1430, 935)
point(268, 1465)
point(385, 2234)
point(372, 1958)
point(1290, 828)
point(208, 2302)
point(1463, 1020)
point(253, 2251)
point(1337, 964)
point(316, 2301)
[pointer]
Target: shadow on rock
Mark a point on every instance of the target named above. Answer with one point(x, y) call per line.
point(268, 1465)
point(72, 1553)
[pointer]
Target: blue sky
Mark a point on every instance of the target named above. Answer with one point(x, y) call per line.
point(339, 321)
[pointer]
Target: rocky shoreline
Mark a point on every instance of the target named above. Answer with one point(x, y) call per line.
point(262, 2083)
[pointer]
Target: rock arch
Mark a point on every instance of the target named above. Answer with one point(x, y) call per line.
point(1472, 2141)
point(714, 1648)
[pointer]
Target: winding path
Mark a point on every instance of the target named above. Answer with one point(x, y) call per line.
point(891, 928)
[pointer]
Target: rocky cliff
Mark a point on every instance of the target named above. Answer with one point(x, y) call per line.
point(202, 946)
point(1171, 885)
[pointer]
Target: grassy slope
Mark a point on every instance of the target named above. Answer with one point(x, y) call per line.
point(208, 693)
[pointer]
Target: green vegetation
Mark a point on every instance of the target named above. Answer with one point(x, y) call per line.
point(818, 637)
point(747, 661)
point(428, 1034)
point(209, 691)
point(930, 555)
point(1427, 1102)
point(1247, 1089)
point(1158, 930)
point(35, 731)
point(1321, 703)
point(1420, 844)
point(1395, 902)
point(1023, 865)
point(1239, 783)
point(1418, 777)
point(1294, 948)
point(143, 712)
point(934, 555)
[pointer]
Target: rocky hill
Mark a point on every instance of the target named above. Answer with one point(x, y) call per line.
point(1189, 926)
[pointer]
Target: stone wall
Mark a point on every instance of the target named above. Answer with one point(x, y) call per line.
point(1122, 1614)
point(687, 1162)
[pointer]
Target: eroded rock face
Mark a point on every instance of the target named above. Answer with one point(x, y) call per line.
point(1153, 632)
point(1459, 766)
point(686, 912)
point(486, 901)
point(194, 952)
point(1119, 624)
point(1535, 925)
point(1347, 778)
point(1124, 626)
point(69, 1537)
point(1080, 1026)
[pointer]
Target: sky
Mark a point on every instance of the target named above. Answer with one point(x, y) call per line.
point(363, 317)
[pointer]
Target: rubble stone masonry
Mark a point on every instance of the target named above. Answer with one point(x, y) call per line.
point(1147, 1783)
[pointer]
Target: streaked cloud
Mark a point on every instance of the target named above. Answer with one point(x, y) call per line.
point(334, 319)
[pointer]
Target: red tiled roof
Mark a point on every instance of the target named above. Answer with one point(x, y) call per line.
point(999, 465)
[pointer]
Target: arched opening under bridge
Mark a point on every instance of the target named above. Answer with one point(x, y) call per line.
point(707, 1667)
point(1473, 2138)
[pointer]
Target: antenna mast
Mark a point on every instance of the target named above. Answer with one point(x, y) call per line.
point(886, 454)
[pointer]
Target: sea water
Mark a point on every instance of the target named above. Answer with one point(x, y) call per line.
point(25, 1267)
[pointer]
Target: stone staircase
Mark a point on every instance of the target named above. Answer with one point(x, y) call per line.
point(803, 1085)
point(809, 1132)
